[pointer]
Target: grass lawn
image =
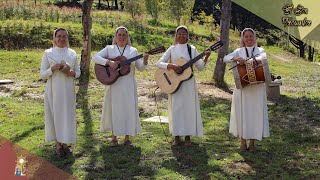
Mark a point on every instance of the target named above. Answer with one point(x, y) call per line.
point(292, 151)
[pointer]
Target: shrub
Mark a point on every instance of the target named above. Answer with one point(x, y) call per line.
point(21, 35)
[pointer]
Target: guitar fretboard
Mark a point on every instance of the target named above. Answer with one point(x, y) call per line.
point(189, 63)
point(151, 52)
point(192, 61)
point(131, 60)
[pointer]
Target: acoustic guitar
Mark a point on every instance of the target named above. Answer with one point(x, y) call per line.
point(169, 81)
point(107, 76)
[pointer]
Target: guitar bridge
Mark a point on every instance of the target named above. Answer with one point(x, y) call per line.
point(167, 78)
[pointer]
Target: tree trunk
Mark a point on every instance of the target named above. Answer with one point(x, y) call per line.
point(220, 68)
point(99, 4)
point(116, 5)
point(86, 47)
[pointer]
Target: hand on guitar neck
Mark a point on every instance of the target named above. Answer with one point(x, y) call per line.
point(207, 54)
point(145, 58)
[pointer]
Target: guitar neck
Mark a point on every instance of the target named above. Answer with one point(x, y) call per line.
point(131, 60)
point(212, 48)
point(189, 63)
point(151, 52)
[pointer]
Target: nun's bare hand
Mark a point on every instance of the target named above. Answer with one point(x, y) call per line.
point(113, 65)
point(175, 67)
point(240, 60)
point(56, 67)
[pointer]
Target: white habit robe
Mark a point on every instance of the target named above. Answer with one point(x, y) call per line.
point(184, 108)
point(59, 97)
point(249, 111)
point(120, 112)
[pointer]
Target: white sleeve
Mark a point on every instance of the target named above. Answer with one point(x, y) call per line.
point(228, 58)
point(163, 61)
point(200, 63)
point(139, 63)
point(45, 71)
point(99, 57)
point(263, 54)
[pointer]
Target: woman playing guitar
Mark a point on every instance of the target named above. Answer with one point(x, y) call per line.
point(120, 107)
point(184, 109)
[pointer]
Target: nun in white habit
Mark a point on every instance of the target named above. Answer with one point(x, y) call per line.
point(60, 67)
point(249, 113)
point(120, 112)
point(184, 108)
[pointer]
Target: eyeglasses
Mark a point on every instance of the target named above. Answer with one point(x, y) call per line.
point(122, 35)
point(61, 37)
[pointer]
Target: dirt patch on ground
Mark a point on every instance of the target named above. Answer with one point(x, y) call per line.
point(286, 56)
point(241, 166)
point(20, 90)
point(150, 97)
point(5, 90)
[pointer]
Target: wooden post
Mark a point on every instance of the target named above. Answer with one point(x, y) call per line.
point(86, 46)
point(220, 68)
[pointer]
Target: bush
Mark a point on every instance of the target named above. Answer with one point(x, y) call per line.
point(22, 35)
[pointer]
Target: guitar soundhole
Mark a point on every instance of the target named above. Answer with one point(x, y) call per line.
point(167, 78)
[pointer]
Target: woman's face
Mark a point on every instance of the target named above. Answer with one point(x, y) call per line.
point(61, 39)
point(182, 36)
point(121, 37)
point(248, 39)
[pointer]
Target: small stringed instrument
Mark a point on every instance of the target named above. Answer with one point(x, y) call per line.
point(169, 81)
point(107, 76)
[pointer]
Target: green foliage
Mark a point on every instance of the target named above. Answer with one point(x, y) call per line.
point(180, 10)
point(153, 7)
point(20, 34)
point(134, 7)
point(207, 21)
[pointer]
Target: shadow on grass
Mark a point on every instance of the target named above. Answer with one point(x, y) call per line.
point(290, 150)
point(288, 153)
point(123, 162)
point(25, 134)
point(64, 163)
point(101, 160)
point(88, 142)
point(191, 161)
